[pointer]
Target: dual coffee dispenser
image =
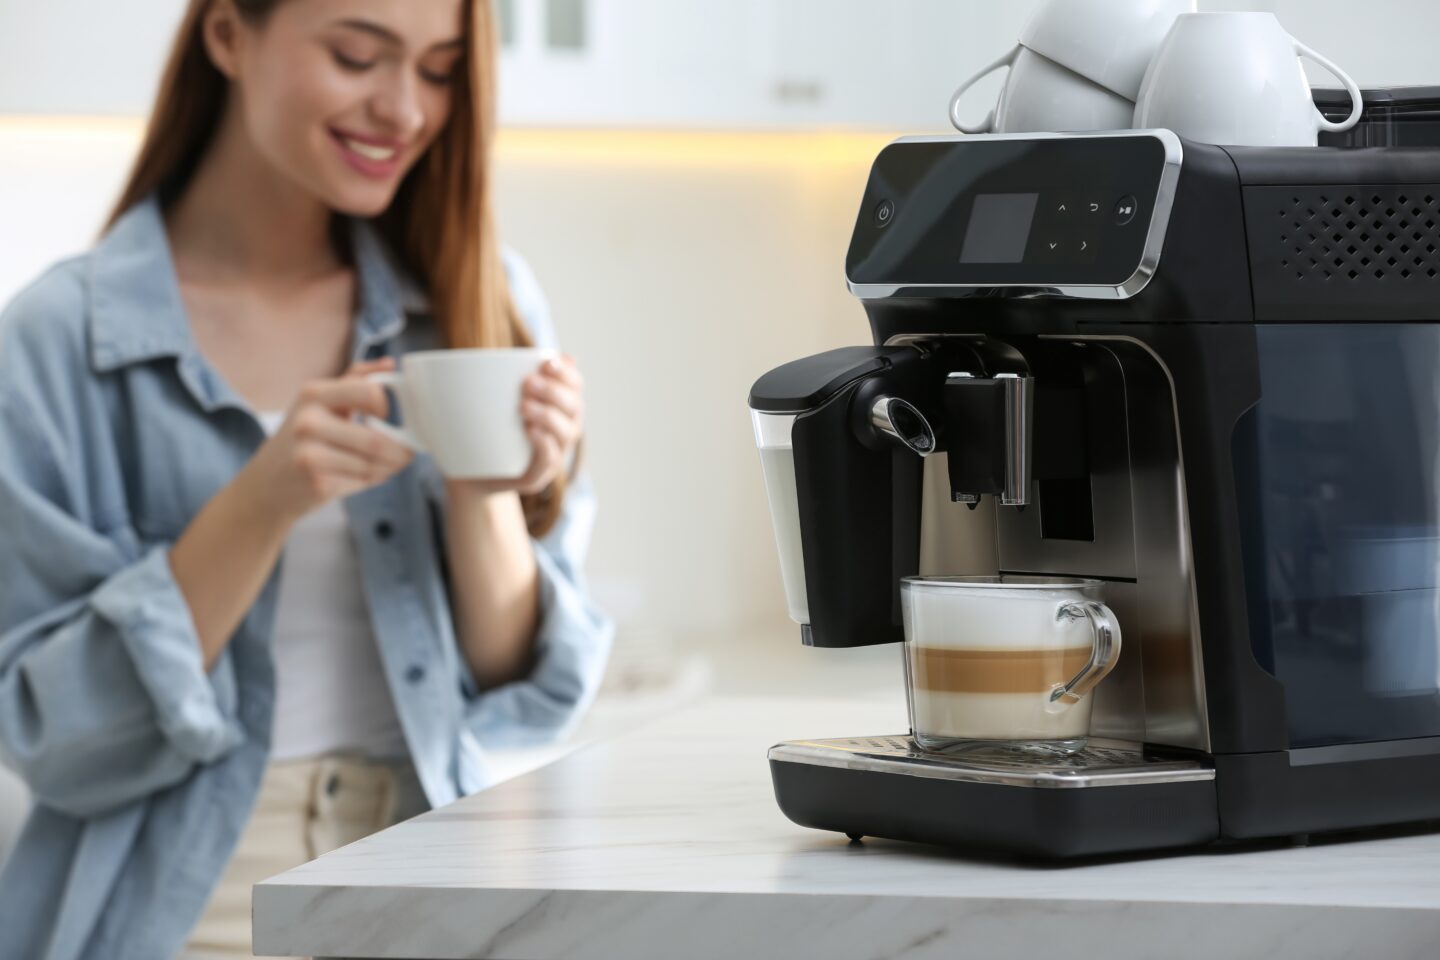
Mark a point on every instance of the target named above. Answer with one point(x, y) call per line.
point(1206, 376)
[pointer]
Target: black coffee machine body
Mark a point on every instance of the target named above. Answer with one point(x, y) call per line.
point(1206, 376)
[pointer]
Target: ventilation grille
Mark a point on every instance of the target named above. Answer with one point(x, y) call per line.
point(1360, 236)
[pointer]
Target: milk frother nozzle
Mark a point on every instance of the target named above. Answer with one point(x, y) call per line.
point(902, 422)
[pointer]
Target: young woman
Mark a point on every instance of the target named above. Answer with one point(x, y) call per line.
point(183, 405)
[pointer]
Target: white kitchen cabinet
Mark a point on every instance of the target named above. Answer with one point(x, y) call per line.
point(672, 63)
point(752, 63)
point(890, 65)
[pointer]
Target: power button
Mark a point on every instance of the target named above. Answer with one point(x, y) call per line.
point(884, 213)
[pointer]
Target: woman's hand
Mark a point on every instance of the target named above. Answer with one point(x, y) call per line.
point(552, 406)
point(320, 452)
point(494, 573)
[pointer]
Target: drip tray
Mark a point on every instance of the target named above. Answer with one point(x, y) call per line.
point(1104, 763)
point(988, 801)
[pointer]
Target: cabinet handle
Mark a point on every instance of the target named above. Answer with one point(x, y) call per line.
point(799, 91)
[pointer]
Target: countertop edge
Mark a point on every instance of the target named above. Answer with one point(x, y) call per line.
point(440, 922)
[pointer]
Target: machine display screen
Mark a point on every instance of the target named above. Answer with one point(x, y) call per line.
point(999, 227)
point(973, 212)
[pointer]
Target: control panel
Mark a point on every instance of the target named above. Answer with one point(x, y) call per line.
point(1043, 212)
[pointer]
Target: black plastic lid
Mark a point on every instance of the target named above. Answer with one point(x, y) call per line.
point(1400, 99)
point(805, 384)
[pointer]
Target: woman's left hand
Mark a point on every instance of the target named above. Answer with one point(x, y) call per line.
point(552, 405)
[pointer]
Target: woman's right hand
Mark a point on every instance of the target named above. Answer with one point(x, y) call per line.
point(320, 452)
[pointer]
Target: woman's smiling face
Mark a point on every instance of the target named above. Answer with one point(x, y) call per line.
point(344, 96)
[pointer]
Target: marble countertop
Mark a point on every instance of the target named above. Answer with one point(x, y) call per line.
point(666, 842)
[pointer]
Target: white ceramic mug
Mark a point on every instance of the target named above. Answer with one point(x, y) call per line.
point(1108, 42)
point(463, 408)
point(1041, 95)
point(1235, 78)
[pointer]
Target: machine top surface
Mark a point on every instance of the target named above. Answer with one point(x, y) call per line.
point(1104, 763)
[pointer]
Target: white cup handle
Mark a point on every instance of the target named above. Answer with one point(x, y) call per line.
point(988, 124)
point(1357, 105)
point(391, 380)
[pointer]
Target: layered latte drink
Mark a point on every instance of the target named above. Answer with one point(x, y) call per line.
point(1004, 661)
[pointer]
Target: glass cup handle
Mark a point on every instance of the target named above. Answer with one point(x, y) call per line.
point(1104, 650)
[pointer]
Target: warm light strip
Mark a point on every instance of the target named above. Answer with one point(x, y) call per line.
point(67, 127)
point(690, 148)
point(568, 147)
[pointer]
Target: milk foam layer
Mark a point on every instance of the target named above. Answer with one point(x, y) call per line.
point(976, 618)
point(995, 716)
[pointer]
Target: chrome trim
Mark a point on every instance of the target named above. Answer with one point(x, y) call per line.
point(882, 418)
point(1019, 437)
point(1004, 581)
point(1149, 257)
point(1184, 735)
point(1104, 763)
point(1359, 752)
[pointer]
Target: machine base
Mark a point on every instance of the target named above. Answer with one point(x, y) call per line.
point(1108, 799)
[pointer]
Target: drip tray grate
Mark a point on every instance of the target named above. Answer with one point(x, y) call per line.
point(1104, 763)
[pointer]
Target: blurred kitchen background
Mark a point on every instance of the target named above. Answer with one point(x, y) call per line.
point(683, 176)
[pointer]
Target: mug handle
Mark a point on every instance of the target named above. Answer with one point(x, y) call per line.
point(988, 124)
point(1350, 87)
point(391, 380)
point(1104, 651)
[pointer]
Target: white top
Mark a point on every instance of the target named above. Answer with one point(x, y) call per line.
point(667, 842)
point(331, 695)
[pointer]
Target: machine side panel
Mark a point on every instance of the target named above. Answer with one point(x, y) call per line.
point(1215, 371)
point(1271, 795)
point(1344, 252)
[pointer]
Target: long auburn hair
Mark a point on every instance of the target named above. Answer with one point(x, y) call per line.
point(441, 224)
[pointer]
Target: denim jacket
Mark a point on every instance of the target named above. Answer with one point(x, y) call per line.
point(144, 767)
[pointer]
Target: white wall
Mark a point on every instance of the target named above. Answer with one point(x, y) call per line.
point(83, 56)
point(681, 268)
point(1381, 43)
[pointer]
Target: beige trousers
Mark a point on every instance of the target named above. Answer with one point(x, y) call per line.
point(306, 808)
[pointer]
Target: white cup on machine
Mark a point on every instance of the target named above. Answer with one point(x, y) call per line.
point(1042, 95)
point(1078, 65)
point(463, 408)
point(1236, 78)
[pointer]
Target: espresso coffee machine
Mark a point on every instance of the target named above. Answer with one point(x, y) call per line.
point(1209, 377)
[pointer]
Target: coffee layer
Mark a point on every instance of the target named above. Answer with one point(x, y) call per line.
point(959, 670)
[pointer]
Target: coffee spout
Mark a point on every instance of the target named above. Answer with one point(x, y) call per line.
point(988, 436)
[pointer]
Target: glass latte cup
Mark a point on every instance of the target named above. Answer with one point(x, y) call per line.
point(1004, 662)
